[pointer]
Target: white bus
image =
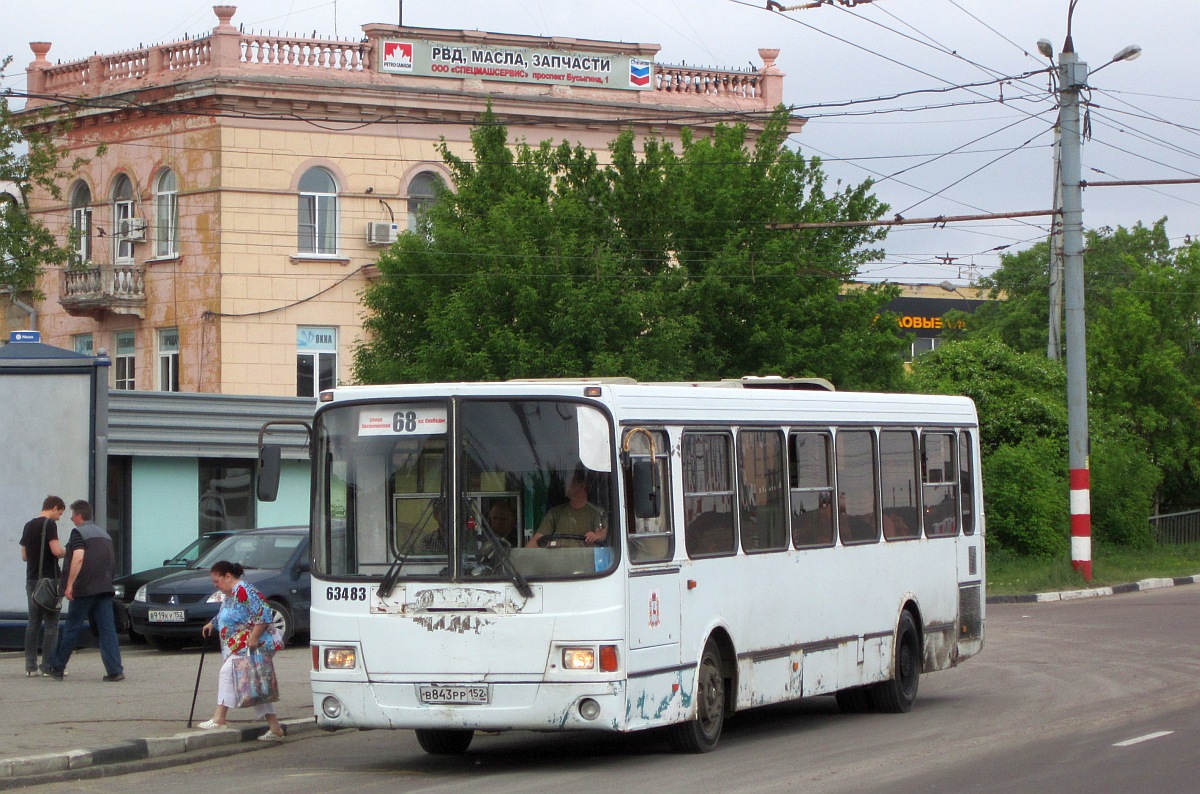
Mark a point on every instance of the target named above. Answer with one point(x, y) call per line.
point(719, 546)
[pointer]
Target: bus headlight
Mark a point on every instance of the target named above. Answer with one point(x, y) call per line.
point(589, 709)
point(339, 658)
point(579, 658)
point(331, 707)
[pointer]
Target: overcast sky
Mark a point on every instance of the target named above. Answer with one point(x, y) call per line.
point(1145, 121)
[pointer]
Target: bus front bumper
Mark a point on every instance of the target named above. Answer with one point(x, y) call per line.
point(533, 706)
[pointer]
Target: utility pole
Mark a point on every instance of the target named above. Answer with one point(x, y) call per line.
point(1054, 342)
point(1072, 75)
point(1072, 80)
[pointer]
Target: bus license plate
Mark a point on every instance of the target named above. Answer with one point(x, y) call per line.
point(435, 694)
point(166, 616)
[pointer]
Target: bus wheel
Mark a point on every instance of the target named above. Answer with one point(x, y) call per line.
point(897, 695)
point(438, 741)
point(701, 734)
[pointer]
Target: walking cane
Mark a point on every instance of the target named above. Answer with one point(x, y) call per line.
point(196, 691)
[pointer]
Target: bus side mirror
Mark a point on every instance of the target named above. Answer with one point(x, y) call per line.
point(269, 457)
point(646, 498)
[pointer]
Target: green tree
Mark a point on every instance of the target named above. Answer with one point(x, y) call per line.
point(1143, 340)
point(1019, 396)
point(31, 158)
point(542, 262)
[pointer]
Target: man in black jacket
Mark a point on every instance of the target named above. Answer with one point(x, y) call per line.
point(88, 585)
point(40, 547)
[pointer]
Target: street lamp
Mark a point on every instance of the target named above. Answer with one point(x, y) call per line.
point(1072, 79)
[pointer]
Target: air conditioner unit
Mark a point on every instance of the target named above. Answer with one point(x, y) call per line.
point(133, 229)
point(382, 232)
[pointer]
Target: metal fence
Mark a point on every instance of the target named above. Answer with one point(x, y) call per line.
point(1172, 528)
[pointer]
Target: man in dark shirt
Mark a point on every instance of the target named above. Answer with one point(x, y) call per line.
point(40, 546)
point(88, 585)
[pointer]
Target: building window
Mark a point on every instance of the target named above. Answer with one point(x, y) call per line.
point(226, 494)
point(122, 198)
point(316, 360)
point(124, 361)
point(317, 223)
point(421, 192)
point(83, 344)
point(166, 214)
point(168, 359)
point(81, 225)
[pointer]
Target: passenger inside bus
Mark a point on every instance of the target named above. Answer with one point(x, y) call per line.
point(502, 518)
point(577, 522)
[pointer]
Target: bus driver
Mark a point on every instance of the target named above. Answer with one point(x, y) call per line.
point(576, 522)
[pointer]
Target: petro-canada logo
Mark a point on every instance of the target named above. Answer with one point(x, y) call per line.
point(398, 56)
point(639, 73)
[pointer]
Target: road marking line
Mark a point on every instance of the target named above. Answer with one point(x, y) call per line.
point(1145, 738)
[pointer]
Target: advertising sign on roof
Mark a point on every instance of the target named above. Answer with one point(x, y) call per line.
point(516, 64)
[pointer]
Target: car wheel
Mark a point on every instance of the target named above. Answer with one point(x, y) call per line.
point(166, 643)
point(282, 621)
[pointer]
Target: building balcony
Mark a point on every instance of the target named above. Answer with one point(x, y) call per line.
point(104, 289)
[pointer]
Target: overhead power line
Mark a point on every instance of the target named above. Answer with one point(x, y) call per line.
point(940, 220)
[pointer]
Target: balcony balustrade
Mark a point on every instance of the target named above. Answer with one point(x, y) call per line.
point(96, 290)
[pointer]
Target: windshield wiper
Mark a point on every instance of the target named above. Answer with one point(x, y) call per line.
point(502, 552)
point(393, 573)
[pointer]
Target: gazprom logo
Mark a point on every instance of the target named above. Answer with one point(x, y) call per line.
point(639, 73)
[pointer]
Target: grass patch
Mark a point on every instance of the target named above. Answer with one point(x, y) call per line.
point(1011, 575)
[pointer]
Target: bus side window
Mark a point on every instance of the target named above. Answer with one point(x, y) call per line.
point(762, 496)
point(858, 508)
point(966, 482)
point(708, 494)
point(811, 471)
point(649, 539)
point(898, 478)
point(939, 491)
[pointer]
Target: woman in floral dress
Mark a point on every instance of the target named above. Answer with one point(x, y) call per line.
point(242, 625)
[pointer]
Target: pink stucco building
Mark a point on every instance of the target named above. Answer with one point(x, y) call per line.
point(248, 182)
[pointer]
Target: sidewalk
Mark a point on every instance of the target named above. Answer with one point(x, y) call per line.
point(67, 727)
point(1094, 592)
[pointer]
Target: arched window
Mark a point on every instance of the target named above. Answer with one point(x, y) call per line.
point(122, 225)
point(422, 190)
point(317, 218)
point(81, 224)
point(166, 214)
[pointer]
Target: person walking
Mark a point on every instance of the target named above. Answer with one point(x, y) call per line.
point(88, 585)
point(242, 625)
point(41, 550)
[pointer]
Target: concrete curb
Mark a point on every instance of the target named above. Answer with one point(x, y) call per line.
point(72, 764)
point(1095, 592)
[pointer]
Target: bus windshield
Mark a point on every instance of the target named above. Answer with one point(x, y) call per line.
point(460, 488)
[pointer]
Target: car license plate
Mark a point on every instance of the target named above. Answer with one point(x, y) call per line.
point(166, 616)
point(436, 694)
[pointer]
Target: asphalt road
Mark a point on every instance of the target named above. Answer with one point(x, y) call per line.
point(1088, 696)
